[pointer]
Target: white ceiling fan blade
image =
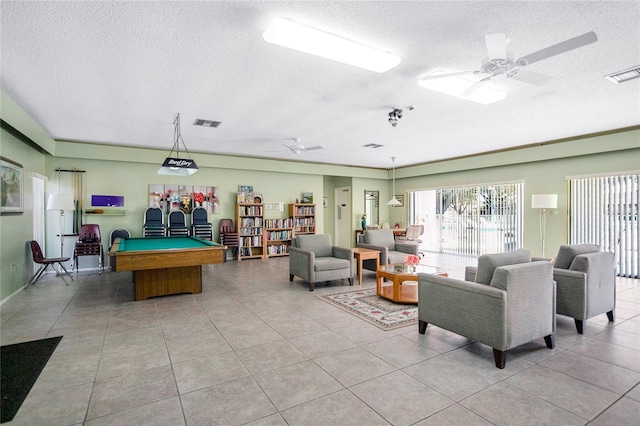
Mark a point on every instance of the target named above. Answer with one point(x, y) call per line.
point(556, 49)
point(496, 46)
point(531, 77)
point(475, 86)
point(452, 74)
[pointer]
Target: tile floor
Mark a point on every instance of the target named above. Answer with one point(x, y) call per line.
point(255, 349)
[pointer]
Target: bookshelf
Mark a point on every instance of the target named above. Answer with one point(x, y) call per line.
point(279, 233)
point(304, 218)
point(250, 224)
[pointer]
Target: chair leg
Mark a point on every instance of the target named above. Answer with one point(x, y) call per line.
point(579, 326)
point(37, 275)
point(350, 280)
point(60, 274)
point(611, 316)
point(422, 326)
point(500, 358)
point(290, 277)
point(312, 286)
point(550, 340)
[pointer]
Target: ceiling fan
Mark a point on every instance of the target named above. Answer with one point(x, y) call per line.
point(501, 63)
point(296, 148)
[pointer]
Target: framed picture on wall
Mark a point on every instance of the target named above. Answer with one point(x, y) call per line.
point(12, 179)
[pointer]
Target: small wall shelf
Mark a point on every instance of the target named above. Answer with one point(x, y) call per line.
point(105, 212)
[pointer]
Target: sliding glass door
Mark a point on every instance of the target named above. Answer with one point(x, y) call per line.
point(471, 220)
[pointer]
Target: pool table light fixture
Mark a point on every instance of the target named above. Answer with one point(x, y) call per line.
point(177, 166)
point(293, 35)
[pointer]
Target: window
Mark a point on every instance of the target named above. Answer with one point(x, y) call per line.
point(604, 211)
point(471, 220)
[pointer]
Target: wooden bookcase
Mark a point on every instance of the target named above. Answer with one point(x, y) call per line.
point(304, 218)
point(278, 236)
point(250, 225)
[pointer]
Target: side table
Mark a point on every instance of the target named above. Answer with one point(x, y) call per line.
point(362, 254)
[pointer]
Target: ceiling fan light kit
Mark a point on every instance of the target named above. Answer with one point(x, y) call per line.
point(293, 35)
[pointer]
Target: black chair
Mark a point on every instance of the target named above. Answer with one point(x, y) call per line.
point(44, 263)
point(118, 233)
point(89, 244)
point(200, 225)
point(178, 224)
point(153, 225)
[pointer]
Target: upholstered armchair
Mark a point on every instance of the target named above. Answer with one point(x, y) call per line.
point(586, 283)
point(391, 251)
point(515, 307)
point(314, 259)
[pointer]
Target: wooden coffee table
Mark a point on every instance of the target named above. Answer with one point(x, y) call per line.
point(364, 254)
point(403, 283)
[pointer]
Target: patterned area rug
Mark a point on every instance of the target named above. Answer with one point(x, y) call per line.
point(365, 304)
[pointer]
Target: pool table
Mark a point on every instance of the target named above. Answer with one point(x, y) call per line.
point(165, 265)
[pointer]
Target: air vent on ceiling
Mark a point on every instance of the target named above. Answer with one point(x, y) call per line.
point(206, 123)
point(622, 76)
point(372, 145)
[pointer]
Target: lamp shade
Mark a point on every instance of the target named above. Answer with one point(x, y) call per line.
point(178, 167)
point(393, 201)
point(544, 201)
point(60, 202)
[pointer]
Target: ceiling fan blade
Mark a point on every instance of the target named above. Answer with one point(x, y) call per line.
point(313, 148)
point(496, 46)
point(531, 77)
point(452, 74)
point(556, 49)
point(475, 86)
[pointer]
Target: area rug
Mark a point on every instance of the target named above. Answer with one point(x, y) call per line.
point(365, 304)
point(20, 367)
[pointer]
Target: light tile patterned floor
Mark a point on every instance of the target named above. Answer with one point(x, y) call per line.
point(256, 349)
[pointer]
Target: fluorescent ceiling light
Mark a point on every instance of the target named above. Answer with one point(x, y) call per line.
point(457, 85)
point(296, 36)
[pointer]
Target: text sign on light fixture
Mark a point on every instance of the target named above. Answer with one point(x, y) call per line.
point(457, 85)
point(296, 36)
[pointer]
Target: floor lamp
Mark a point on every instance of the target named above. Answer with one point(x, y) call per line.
point(61, 202)
point(544, 202)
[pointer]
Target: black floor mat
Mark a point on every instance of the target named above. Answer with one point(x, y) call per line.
point(20, 366)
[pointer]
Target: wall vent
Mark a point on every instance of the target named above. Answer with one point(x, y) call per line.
point(206, 123)
point(372, 145)
point(622, 76)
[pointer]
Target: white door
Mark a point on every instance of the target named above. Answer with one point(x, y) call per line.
point(342, 233)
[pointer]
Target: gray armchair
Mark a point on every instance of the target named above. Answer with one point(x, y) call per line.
point(391, 251)
point(517, 306)
point(586, 283)
point(314, 259)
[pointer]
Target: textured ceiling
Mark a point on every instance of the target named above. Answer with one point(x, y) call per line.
point(118, 72)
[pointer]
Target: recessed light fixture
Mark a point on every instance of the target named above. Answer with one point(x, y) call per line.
point(456, 85)
point(293, 35)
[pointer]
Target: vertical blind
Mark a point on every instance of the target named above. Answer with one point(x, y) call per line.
point(604, 211)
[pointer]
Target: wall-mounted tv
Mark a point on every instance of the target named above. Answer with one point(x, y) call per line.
point(107, 200)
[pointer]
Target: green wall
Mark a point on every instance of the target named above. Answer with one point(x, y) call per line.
point(132, 180)
point(128, 171)
point(17, 229)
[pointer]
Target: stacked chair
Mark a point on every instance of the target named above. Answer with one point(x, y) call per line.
point(229, 236)
point(89, 244)
point(178, 224)
point(153, 225)
point(200, 225)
